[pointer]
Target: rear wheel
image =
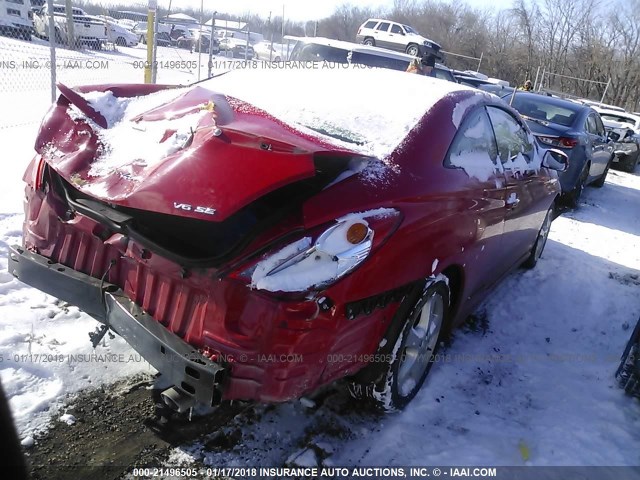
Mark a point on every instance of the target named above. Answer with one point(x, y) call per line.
point(573, 199)
point(413, 50)
point(541, 241)
point(408, 354)
point(369, 41)
point(599, 183)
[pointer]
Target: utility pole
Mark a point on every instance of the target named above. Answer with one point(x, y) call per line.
point(71, 38)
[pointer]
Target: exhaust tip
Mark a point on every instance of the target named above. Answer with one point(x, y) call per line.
point(177, 399)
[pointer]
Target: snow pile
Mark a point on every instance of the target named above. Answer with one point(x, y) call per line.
point(369, 110)
point(126, 143)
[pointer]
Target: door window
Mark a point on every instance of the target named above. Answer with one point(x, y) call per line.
point(592, 126)
point(474, 148)
point(383, 27)
point(515, 148)
point(396, 29)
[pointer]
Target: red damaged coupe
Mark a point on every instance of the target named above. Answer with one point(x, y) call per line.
point(264, 233)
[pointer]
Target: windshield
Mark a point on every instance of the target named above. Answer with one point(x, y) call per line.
point(409, 29)
point(538, 109)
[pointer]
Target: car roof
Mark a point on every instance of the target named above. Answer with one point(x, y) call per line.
point(360, 48)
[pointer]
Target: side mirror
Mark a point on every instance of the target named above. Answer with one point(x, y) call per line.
point(613, 136)
point(555, 160)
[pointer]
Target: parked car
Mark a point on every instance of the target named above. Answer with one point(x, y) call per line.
point(308, 261)
point(236, 48)
point(264, 51)
point(87, 30)
point(182, 37)
point(573, 128)
point(319, 49)
point(16, 19)
point(204, 41)
point(628, 373)
point(162, 35)
point(117, 34)
point(396, 36)
point(627, 128)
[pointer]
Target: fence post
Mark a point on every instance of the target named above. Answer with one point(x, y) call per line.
point(52, 49)
point(213, 32)
point(535, 82)
point(480, 62)
point(71, 37)
point(151, 18)
point(605, 91)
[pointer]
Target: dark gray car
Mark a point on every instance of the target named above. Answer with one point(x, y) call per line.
point(573, 128)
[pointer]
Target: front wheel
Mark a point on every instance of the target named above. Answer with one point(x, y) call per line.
point(408, 354)
point(413, 50)
point(541, 241)
point(121, 42)
point(628, 374)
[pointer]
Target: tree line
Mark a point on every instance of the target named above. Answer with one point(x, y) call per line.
point(571, 41)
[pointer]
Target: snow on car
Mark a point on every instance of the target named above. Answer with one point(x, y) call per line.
point(220, 224)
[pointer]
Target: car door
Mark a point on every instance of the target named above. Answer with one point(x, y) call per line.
point(473, 150)
point(396, 34)
point(527, 189)
point(381, 34)
point(598, 145)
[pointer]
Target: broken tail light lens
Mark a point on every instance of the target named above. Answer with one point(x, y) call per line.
point(320, 259)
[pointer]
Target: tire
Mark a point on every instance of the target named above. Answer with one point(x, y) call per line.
point(121, 42)
point(412, 342)
point(573, 198)
point(369, 41)
point(599, 183)
point(413, 50)
point(628, 373)
point(541, 241)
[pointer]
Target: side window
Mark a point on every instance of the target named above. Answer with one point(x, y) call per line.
point(592, 126)
point(370, 24)
point(383, 27)
point(514, 144)
point(474, 148)
point(396, 29)
point(600, 126)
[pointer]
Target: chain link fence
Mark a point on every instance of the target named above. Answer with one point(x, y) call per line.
point(95, 45)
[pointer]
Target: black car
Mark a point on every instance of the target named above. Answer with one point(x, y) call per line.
point(574, 128)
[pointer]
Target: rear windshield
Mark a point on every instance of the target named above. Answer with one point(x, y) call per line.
point(617, 118)
point(540, 110)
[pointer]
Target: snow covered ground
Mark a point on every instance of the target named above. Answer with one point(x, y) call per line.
point(531, 384)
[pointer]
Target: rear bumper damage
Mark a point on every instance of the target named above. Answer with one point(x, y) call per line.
point(244, 344)
point(186, 368)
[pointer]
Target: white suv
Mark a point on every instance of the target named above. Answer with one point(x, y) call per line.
point(396, 36)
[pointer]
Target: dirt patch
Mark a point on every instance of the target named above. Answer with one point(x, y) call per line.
point(116, 429)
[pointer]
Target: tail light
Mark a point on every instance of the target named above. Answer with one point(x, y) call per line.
point(324, 256)
point(563, 142)
point(359, 30)
point(34, 175)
